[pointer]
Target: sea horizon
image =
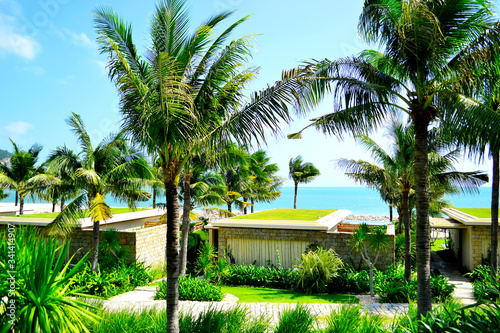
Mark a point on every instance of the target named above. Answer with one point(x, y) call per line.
point(358, 200)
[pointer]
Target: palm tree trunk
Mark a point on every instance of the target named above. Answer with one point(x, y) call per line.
point(494, 213)
point(295, 196)
point(54, 206)
point(95, 255)
point(154, 198)
point(390, 212)
point(21, 205)
point(172, 249)
point(252, 207)
point(407, 223)
point(421, 174)
point(185, 223)
point(400, 220)
point(62, 204)
point(229, 209)
point(17, 198)
point(245, 207)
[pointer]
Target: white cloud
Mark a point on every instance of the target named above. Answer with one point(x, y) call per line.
point(13, 41)
point(79, 39)
point(19, 127)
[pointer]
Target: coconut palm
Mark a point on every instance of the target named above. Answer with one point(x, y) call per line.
point(394, 169)
point(185, 95)
point(264, 185)
point(301, 172)
point(66, 189)
point(23, 175)
point(110, 168)
point(420, 42)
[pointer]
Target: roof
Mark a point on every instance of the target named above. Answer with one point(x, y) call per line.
point(466, 219)
point(323, 224)
point(441, 223)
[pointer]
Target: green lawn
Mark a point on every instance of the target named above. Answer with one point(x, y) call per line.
point(270, 295)
point(477, 212)
point(288, 214)
point(438, 244)
point(53, 215)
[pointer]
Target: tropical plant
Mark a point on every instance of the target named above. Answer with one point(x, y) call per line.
point(372, 239)
point(424, 45)
point(301, 172)
point(111, 167)
point(187, 95)
point(298, 319)
point(22, 175)
point(264, 185)
point(41, 273)
point(317, 268)
point(193, 289)
point(393, 172)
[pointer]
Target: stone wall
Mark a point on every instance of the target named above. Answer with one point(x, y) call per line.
point(338, 241)
point(481, 238)
point(146, 245)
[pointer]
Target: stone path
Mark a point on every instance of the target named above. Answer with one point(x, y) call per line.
point(464, 290)
point(142, 297)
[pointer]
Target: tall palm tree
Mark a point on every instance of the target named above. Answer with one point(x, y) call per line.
point(264, 185)
point(394, 169)
point(420, 42)
point(301, 172)
point(185, 94)
point(23, 175)
point(66, 188)
point(110, 168)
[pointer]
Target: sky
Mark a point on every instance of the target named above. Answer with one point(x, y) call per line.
point(50, 67)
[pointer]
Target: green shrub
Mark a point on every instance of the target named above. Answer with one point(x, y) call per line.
point(393, 288)
point(297, 320)
point(317, 268)
point(40, 271)
point(352, 319)
point(110, 281)
point(258, 276)
point(348, 280)
point(486, 287)
point(193, 289)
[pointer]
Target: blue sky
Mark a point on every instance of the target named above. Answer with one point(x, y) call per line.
point(50, 67)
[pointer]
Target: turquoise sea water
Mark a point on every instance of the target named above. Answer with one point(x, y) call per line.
point(359, 200)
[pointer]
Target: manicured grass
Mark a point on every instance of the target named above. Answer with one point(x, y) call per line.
point(477, 212)
point(288, 214)
point(438, 244)
point(271, 295)
point(53, 215)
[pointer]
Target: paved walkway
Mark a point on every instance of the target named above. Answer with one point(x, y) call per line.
point(143, 297)
point(464, 290)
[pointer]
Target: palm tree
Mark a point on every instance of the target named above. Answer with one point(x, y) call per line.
point(110, 168)
point(264, 185)
point(301, 172)
point(186, 95)
point(66, 189)
point(421, 41)
point(22, 175)
point(396, 172)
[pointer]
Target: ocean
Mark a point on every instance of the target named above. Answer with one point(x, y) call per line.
point(359, 200)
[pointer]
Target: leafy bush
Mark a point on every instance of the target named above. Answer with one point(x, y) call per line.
point(348, 280)
point(317, 268)
point(258, 276)
point(486, 287)
point(110, 281)
point(440, 288)
point(352, 319)
point(393, 288)
point(193, 289)
point(41, 273)
point(297, 320)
